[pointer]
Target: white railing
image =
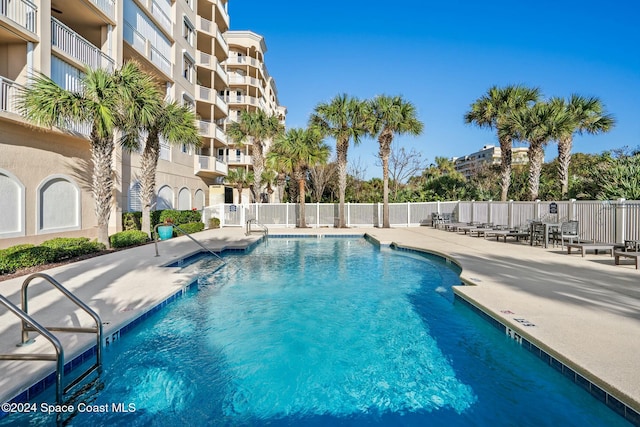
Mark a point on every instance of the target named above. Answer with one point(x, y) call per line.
point(204, 25)
point(160, 60)
point(608, 221)
point(77, 47)
point(146, 49)
point(221, 40)
point(238, 159)
point(22, 12)
point(211, 164)
point(161, 15)
point(204, 59)
point(221, 71)
point(8, 95)
point(107, 6)
point(223, 11)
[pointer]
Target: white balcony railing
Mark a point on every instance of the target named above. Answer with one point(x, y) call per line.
point(22, 12)
point(146, 49)
point(77, 47)
point(239, 159)
point(210, 164)
point(161, 15)
point(8, 95)
point(106, 6)
point(211, 130)
point(205, 60)
point(223, 11)
point(204, 25)
point(222, 41)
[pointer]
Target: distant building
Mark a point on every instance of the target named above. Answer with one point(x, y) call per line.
point(489, 155)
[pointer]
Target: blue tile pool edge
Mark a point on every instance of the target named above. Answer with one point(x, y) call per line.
point(50, 379)
point(600, 392)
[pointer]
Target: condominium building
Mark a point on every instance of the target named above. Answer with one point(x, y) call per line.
point(45, 174)
point(470, 164)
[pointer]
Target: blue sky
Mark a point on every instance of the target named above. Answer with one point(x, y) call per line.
point(443, 55)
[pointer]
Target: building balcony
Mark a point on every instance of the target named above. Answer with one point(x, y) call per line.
point(144, 47)
point(211, 130)
point(211, 28)
point(246, 100)
point(239, 160)
point(222, 12)
point(22, 13)
point(235, 79)
point(211, 62)
point(206, 94)
point(75, 46)
point(209, 167)
point(8, 95)
point(107, 7)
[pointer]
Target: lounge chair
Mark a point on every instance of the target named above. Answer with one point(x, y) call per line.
point(569, 231)
point(584, 247)
point(622, 254)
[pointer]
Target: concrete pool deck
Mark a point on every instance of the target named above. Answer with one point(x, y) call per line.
point(585, 311)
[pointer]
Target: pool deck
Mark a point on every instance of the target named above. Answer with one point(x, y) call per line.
point(585, 311)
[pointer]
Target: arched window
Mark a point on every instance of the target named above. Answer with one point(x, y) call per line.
point(165, 198)
point(135, 204)
point(199, 200)
point(184, 199)
point(58, 205)
point(12, 206)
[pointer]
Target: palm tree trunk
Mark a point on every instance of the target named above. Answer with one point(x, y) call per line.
point(102, 183)
point(280, 182)
point(301, 183)
point(536, 158)
point(239, 190)
point(505, 166)
point(257, 159)
point(341, 153)
point(564, 159)
point(148, 166)
point(385, 149)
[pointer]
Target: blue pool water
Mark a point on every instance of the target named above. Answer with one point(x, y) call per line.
point(326, 332)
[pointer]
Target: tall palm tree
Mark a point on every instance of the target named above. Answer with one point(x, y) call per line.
point(587, 115)
point(537, 125)
point(256, 128)
point(298, 150)
point(343, 118)
point(276, 165)
point(98, 103)
point(240, 179)
point(492, 110)
point(390, 116)
point(173, 122)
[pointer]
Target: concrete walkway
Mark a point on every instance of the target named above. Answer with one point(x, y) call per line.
point(586, 311)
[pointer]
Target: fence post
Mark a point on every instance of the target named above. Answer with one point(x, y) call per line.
point(286, 216)
point(621, 220)
point(317, 214)
point(472, 211)
point(348, 215)
point(408, 214)
point(571, 211)
point(510, 214)
point(536, 210)
point(222, 215)
point(489, 216)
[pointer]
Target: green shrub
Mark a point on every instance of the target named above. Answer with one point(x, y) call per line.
point(214, 222)
point(69, 247)
point(190, 227)
point(23, 256)
point(132, 221)
point(128, 238)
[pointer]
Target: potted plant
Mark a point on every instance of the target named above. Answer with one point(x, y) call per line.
point(165, 231)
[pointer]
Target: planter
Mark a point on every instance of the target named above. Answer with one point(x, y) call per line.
point(165, 232)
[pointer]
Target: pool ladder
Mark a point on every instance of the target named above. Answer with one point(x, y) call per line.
point(30, 325)
point(155, 233)
point(261, 228)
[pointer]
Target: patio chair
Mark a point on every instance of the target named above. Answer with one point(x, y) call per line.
point(537, 231)
point(569, 231)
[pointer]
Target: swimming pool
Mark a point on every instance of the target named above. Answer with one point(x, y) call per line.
point(332, 331)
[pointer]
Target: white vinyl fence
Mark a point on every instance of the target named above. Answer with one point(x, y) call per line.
point(602, 221)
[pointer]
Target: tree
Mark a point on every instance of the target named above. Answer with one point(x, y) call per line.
point(342, 119)
point(255, 128)
point(403, 165)
point(492, 111)
point(390, 116)
point(99, 103)
point(240, 179)
point(586, 115)
point(320, 176)
point(298, 149)
point(537, 125)
point(172, 122)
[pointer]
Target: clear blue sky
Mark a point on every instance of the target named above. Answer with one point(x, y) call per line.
point(443, 55)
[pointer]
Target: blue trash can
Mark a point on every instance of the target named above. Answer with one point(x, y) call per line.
point(165, 232)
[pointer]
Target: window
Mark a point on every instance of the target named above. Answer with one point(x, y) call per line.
point(188, 67)
point(135, 204)
point(184, 199)
point(58, 205)
point(12, 206)
point(165, 198)
point(188, 31)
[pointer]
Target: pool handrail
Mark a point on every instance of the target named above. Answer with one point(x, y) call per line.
point(155, 233)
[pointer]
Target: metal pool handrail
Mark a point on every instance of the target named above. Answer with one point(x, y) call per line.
point(155, 233)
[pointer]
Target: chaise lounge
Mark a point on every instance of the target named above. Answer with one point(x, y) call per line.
point(619, 254)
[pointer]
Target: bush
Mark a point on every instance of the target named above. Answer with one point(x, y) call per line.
point(214, 222)
point(132, 221)
point(128, 238)
point(190, 227)
point(23, 256)
point(69, 247)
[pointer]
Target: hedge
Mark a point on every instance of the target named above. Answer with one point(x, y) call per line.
point(128, 238)
point(69, 247)
point(190, 227)
point(133, 220)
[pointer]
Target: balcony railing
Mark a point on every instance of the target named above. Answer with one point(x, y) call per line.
point(211, 130)
point(77, 47)
point(223, 11)
point(106, 6)
point(146, 49)
point(161, 15)
point(239, 159)
point(210, 164)
point(22, 12)
point(8, 95)
point(246, 100)
point(221, 40)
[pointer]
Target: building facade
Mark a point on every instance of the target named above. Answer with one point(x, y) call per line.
point(45, 174)
point(470, 164)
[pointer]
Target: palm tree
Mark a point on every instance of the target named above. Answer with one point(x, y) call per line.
point(98, 103)
point(537, 125)
point(390, 116)
point(343, 119)
point(256, 128)
point(276, 166)
point(587, 115)
point(492, 110)
point(241, 179)
point(298, 150)
point(173, 122)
